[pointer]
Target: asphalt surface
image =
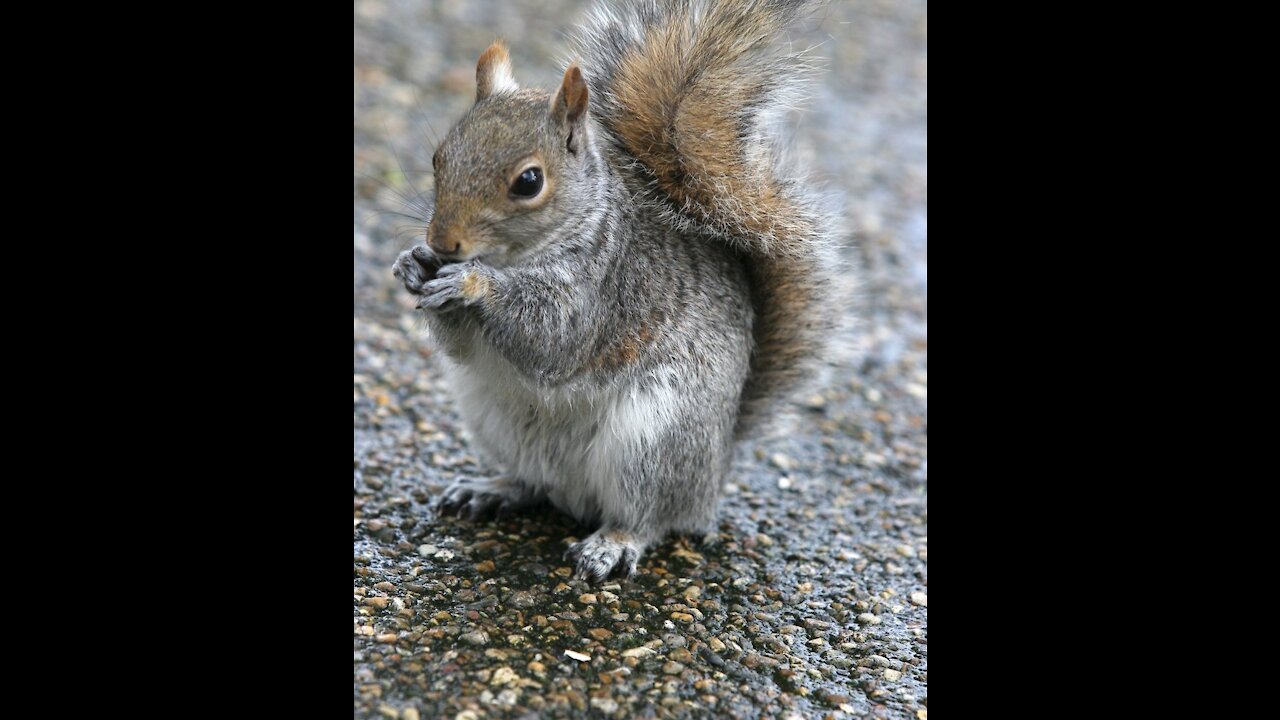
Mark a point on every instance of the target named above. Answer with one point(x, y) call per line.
point(812, 600)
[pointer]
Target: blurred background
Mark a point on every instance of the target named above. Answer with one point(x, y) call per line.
point(841, 503)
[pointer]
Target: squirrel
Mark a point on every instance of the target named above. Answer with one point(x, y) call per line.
point(624, 275)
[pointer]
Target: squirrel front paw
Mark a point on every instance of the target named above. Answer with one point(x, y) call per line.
point(455, 286)
point(416, 267)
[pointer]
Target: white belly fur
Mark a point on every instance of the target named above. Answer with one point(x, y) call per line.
point(571, 444)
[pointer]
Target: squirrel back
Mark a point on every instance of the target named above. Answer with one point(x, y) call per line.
point(687, 93)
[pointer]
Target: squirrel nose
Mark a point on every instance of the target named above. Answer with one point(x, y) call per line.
point(444, 243)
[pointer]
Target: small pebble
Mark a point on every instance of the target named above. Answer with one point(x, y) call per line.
point(608, 706)
point(680, 655)
point(476, 637)
point(577, 656)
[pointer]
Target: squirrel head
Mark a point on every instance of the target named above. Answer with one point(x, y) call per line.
point(514, 169)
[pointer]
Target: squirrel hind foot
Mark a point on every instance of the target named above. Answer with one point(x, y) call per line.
point(481, 497)
point(605, 554)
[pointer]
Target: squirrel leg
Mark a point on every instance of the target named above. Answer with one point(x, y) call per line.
point(606, 553)
point(543, 322)
point(478, 497)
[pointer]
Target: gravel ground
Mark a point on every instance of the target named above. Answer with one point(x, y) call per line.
point(812, 601)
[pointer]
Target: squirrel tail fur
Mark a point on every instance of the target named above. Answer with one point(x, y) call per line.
point(687, 93)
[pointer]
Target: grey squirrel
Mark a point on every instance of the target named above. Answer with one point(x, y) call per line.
point(624, 275)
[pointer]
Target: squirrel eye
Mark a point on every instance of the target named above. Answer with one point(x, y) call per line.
point(529, 184)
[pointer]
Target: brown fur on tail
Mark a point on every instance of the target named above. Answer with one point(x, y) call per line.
point(688, 90)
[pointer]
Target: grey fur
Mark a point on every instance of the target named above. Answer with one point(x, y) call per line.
point(600, 343)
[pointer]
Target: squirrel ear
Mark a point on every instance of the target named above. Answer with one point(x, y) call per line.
point(493, 72)
point(569, 106)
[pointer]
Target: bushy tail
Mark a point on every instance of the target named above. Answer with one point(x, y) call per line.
point(688, 92)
